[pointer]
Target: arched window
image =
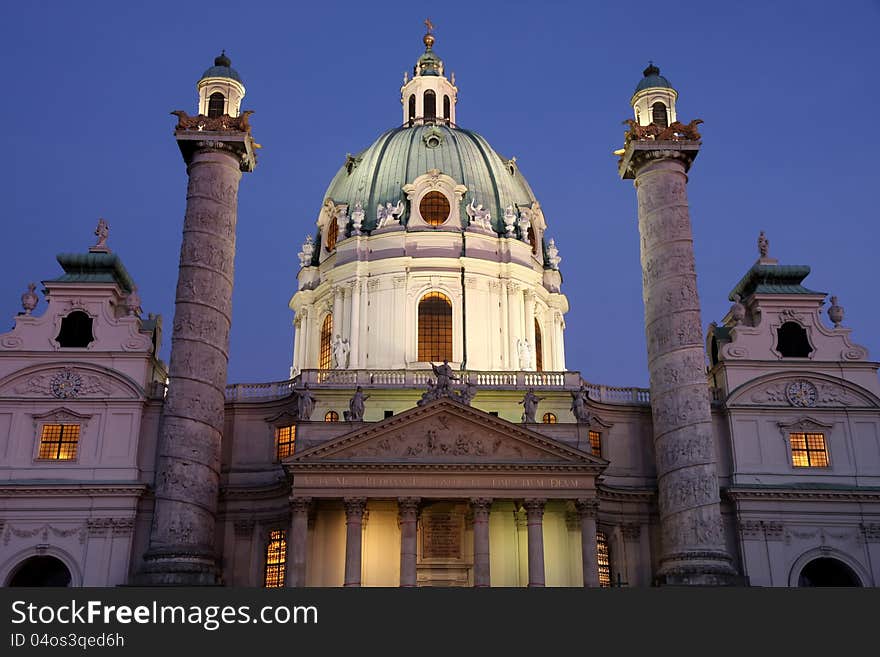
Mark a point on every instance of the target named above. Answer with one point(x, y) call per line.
point(332, 232)
point(659, 116)
point(324, 357)
point(412, 109)
point(826, 571)
point(276, 559)
point(435, 327)
point(41, 571)
point(434, 208)
point(533, 239)
point(216, 104)
point(549, 418)
point(539, 348)
point(792, 341)
point(446, 107)
point(76, 330)
point(331, 416)
point(430, 105)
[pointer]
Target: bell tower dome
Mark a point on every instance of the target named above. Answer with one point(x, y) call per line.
point(220, 89)
point(429, 97)
point(654, 99)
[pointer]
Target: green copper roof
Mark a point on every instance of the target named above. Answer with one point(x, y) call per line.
point(93, 268)
point(772, 279)
point(652, 78)
point(222, 68)
point(401, 155)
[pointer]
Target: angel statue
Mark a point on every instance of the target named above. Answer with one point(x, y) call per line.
point(444, 376)
point(525, 353)
point(305, 403)
point(389, 214)
point(340, 353)
point(355, 411)
point(579, 405)
point(530, 405)
point(479, 216)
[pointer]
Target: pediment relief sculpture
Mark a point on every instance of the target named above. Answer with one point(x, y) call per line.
point(66, 382)
point(805, 392)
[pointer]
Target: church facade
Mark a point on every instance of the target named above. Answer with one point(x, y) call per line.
point(431, 433)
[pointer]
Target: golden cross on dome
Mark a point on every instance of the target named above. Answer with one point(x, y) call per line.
point(429, 25)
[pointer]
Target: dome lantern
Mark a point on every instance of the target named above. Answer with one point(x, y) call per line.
point(429, 97)
point(654, 99)
point(220, 89)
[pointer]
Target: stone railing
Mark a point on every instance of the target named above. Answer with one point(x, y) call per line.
point(567, 381)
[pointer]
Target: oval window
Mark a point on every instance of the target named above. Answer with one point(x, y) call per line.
point(434, 208)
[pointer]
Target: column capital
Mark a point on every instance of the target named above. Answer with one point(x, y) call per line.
point(300, 504)
point(587, 507)
point(408, 508)
point(535, 506)
point(639, 153)
point(355, 507)
point(480, 507)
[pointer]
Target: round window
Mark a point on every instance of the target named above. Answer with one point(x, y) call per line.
point(434, 208)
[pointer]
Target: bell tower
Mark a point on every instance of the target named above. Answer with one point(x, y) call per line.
point(217, 148)
point(654, 99)
point(429, 97)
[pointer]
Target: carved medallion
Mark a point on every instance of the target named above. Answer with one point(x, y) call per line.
point(66, 384)
point(801, 393)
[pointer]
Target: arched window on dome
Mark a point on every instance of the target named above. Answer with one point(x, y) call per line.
point(216, 104)
point(430, 112)
point(435, 328)
point(326, 337)
point(659, 117)
point(446, 107)
point(412, 109)
point(539, 348)
point(434, 208)
point(332, 232)
point(533, 240)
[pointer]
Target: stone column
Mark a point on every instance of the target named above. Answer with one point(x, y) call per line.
point(587, 510)
point(354, 518)
point(408, 510)
point(182, 539)
point(690, 514)
point(506, 361)
point(535, 515)
point(355, 326)
point(297, 343)
point(514, 323)
point(480, 508)
point(305, 342)
point(530, 327)
point(338, 327)
point(297, 541)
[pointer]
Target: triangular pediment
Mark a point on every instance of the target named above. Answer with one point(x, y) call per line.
point(445, 431)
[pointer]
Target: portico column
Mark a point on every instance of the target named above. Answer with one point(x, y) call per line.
point(587, 510)
point(297, 541)
point(354, 518)
point(408, 516)
point(480, 508)
point(514, 322)
point(535, 515)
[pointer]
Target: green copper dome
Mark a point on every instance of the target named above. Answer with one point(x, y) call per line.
point(652, 78)
point(399, 156)
point(222, 68)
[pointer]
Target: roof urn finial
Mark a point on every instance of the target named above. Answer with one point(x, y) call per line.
point(835, 312)
point(30, 299)
point(763, 245)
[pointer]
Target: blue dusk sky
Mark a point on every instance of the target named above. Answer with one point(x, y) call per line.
point(788, 92)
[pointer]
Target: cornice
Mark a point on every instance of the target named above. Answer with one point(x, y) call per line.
point(58, 490)
point(866, 494)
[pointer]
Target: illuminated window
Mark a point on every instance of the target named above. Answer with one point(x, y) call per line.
point(603, 558)
point(276, 560)
point(332, 232)
point(539, 349)
point(596, 443)
point(324, 357)
point(331, 416)
point(430, 105)
point(658, 115)
point(76, 330)
point(412, 109)
point(58, 442)
point(435, 328)
point(216, 104)
point(434, 208)
point(284, 439)
point(808, 450)
point(549, 418)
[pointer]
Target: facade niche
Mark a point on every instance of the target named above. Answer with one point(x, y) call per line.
point(76, 331)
